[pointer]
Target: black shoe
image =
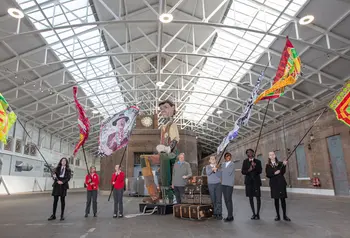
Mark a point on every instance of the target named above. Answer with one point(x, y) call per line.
point(62, 218)
point(95, 215)
point(253, 217)
point(218, 217)
point(286, 218)
point(277, 218)
point(228, 219)
point(86, 215)
point(257, 217)
point(120, 216)
point(115, 216)
point(52, 217)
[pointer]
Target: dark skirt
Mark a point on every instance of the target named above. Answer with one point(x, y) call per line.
point(278, 192)
point(59, 190)
point(252, 191)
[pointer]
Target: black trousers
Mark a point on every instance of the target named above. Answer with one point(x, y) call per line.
point(118, 201)
point(216, 197)
point(63, 204)
point(91, 195)
point(179, 192)
point(283, 205)
point(227, 192)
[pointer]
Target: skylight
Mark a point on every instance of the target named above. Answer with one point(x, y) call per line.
point(253, 14)
point(78, 43)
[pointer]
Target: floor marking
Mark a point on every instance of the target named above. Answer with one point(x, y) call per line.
point(62, 224)
point(85, 235)
point(9, 224)
point(37, 224)
point(91, 230)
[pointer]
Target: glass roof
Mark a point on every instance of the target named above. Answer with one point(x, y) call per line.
point(237, 44)
point(78, 43)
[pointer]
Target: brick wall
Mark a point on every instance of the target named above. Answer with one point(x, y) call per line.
point(285, 136)
point(145, 141)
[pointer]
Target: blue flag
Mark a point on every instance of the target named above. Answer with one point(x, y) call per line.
point(244, 118)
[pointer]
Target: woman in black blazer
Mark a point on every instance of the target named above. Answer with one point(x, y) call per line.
point(252, 169)
point(275, 171)
point(61, 176)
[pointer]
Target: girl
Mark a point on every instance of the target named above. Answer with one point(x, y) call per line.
point(61, 176)
point(118, 190)
point(275, 171)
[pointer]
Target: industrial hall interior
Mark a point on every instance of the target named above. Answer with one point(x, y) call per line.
point(174, 118)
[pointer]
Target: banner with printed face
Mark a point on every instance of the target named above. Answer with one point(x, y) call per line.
point(116, 130)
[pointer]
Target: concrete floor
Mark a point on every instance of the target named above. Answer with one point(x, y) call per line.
point(312, 217)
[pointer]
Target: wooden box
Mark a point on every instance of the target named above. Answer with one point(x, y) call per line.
point(188, 199)
point(177, 210)
point(202, 199)
point(200, 212)
point(197, 180)
point(185, 210)
point(197, 189)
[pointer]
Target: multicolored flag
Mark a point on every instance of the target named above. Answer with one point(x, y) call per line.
point(244, 118)
point(7, 119)
point(288, 72)
point(116, 130)
point(341, 104)
point(83, 122)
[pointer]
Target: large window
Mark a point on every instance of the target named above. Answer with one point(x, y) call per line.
point(302, 166)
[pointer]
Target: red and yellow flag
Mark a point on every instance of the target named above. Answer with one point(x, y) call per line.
point(83, 122)
point(288, 72)
point(341, 104)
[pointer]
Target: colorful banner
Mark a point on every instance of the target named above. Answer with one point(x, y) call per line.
point(116, 130)
point(244, 118)
point(7, 119)
point(341, 104)
point(288, 72)
point(83, 122)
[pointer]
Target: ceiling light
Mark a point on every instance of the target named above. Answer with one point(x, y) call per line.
point(15, 13)
point(219, 112)
point(95, 111)
point(166, 17)
point(306, 20)
point(160, 84)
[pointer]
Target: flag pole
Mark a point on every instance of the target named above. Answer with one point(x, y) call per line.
point(36, 147)
point(307, 132)
point(87, 167)
point(261, 127)
point(120, 164)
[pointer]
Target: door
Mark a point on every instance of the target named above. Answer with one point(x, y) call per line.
point(338, 166)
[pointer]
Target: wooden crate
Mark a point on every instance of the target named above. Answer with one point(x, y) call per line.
point(201, 212)
point(185, 210)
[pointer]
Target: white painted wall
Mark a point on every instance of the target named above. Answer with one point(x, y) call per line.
point(20, 172)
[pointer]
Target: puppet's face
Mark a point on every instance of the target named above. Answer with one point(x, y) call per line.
point(167, 110)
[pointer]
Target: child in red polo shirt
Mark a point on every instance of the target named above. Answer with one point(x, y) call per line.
point(92, 181)
point(118, 190)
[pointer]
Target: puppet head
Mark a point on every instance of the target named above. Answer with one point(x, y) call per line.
point(167, 108)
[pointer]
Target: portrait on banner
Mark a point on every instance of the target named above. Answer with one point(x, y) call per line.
point(116, 130)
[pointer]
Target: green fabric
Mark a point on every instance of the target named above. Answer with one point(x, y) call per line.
point(167, 162)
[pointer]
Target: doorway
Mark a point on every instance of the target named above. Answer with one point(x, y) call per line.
point(338, 166)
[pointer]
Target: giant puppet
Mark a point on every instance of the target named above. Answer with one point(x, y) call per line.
point(167, 152)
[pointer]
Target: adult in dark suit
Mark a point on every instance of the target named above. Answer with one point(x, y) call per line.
point(275, 171)
point(252, 169)
point(61, 176)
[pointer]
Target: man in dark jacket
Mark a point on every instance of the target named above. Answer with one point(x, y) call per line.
point(252, 169)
